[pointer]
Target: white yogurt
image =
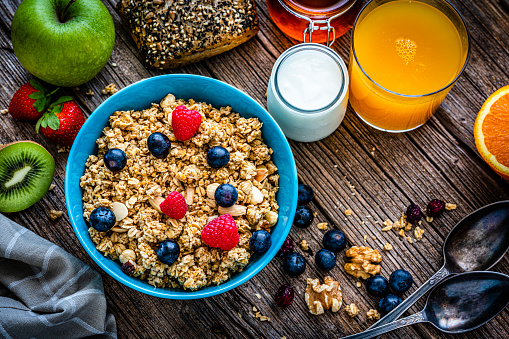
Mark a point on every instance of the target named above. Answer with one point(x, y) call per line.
point(308, 92)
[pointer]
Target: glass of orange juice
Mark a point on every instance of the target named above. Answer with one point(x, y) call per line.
point(405, 56)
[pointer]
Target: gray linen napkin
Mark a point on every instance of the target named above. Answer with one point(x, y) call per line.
point(45, 292)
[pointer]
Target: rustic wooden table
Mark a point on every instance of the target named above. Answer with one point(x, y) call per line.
point(374, 174)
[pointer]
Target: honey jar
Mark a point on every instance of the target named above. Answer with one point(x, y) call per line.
point(319, 21)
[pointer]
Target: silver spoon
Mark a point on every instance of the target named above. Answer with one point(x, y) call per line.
point(458, 304)
point(476, 243)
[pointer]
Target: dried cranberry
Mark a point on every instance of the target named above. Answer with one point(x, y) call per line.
point(435, 208)
point(413, 214)
point(284, 296)
point(128, 268)
point(286, 248)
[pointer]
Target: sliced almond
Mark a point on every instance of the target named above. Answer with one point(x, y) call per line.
point(189, 195)
point(271, 217)
point(256, 196)
point(155, 202)
point(261, 174)
point(119, 229)
point(120, 210)
point(212, 217)
point(234, 211)
point(211, 189)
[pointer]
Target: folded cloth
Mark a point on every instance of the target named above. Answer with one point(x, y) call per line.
point(45, 292)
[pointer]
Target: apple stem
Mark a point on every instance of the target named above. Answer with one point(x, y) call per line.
point(65, 10)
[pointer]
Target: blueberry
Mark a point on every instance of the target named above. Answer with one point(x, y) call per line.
point(115, 159)
point(294, 264)
point(325, 259)
point(260, 241)
point(388, 303)
point(226, 195)
point(168, 251)
point(159, 145)
point(305, 194)
point(334, 240)
point(218, 157)
point(377, 286)
point(303, 217)
point(102, 219)
point(400, 281)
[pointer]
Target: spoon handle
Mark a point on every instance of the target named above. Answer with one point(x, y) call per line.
point(373, 332)
point(410, 300)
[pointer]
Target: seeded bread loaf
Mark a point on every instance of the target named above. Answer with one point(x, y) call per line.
point(172, 33)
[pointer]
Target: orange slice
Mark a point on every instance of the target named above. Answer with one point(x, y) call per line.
point(491, 131)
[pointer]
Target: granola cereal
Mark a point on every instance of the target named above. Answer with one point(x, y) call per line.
point(141, 185)
point(352, 310)
point(373, 314)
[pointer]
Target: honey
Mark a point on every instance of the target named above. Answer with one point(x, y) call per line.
point(319, 21)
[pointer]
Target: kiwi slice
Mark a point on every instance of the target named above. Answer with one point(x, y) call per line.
point(26, 172)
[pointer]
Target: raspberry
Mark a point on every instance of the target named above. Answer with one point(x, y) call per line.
point(413, 214)
point(174, 205)
point(221, 233)
point(185, 123)
point(435, 208)
point(286, 248)
point(284, 296)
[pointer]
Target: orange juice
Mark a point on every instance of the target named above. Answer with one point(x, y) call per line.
point(409, 50)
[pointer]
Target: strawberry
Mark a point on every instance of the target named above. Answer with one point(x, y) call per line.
point(30, 101)
point(61, 122)
point(174, 205)
point(185, 123)
point(221, 233)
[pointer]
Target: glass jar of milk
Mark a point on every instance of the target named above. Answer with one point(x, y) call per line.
point(308, 92)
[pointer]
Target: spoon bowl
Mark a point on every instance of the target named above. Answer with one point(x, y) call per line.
point(466, 301)
point(458, 304)
point(479, 240)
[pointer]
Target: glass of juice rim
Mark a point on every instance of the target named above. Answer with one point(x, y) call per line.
point(312, 123)
point(390, 110)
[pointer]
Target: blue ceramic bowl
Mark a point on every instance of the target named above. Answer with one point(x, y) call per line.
point(139, 96)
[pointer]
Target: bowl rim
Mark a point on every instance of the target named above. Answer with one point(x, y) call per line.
point(164, 292)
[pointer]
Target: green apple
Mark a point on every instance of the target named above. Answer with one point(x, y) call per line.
point(63, 42)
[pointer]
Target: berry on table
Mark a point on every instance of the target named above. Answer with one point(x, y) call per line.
point(413, 214)
point(185, 123)
point(286, 248)
point(174, 205)
point(305, 194)
point(325, 259)
point(61, 122)
point(400, 281)
point(115, 159)
point(294, 264)
point(225, 195)
point(218, 157)
point(221, 233)
point(260, 241)
point(168, 251)
point(435, 208)
point(377, 286)
point(102, 219)
point(303, 217)
point(334, 240)
point(284, 296)
point(388, 303)
point(159, 145)
point(30, 101)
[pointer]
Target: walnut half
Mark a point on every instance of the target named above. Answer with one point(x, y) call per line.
point(362, 261)
point(323, 297)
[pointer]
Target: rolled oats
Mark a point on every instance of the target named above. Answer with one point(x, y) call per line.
point(143, 183)
point(373, 314)
point(352, 310)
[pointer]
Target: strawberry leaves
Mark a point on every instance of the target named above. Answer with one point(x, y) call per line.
point(42, 97)
point(50, 118)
